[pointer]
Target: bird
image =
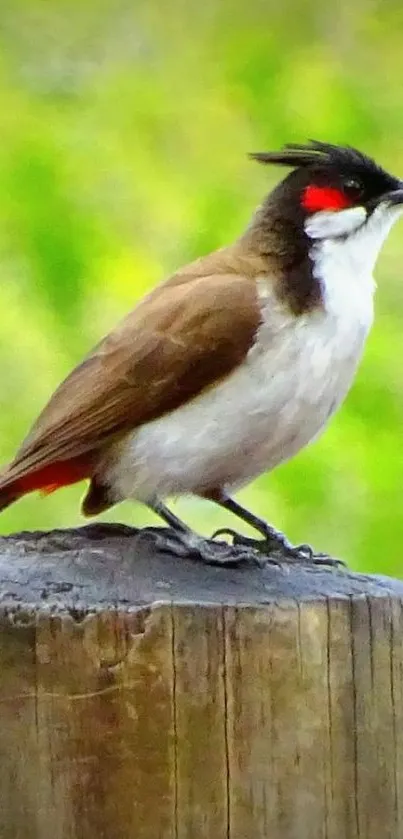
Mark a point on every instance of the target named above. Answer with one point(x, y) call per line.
point(229, 367)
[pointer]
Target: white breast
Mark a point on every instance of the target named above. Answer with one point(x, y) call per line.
point(292, 380)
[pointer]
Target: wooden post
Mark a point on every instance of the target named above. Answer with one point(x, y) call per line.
point(143, 697)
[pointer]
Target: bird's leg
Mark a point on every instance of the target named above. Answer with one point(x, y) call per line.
point(180, 540)
point(273, 539)
point(173, 521)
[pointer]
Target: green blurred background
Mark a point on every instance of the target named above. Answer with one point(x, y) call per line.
point(124, 129)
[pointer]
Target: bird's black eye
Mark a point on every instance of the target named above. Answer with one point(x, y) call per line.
point(353, 188)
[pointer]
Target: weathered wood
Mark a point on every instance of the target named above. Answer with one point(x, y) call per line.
point(149, 697)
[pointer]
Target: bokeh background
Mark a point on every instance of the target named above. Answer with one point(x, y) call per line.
point(124, 130)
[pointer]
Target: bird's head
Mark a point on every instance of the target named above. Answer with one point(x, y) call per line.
point(333, 191)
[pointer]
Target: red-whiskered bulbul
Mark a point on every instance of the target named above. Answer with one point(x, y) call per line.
point(233, 364)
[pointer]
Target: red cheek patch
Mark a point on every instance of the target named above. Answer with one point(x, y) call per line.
point(316, 198)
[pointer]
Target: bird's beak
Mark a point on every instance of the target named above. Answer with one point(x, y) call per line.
point(394, 198)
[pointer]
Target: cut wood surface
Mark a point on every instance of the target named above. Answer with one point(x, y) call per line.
point(147, 697)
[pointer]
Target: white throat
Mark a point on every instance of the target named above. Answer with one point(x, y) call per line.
point(345, 247)
point(353, 233)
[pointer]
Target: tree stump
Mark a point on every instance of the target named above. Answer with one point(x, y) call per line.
point(146, 697)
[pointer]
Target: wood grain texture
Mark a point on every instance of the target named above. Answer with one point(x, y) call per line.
point(146, 697)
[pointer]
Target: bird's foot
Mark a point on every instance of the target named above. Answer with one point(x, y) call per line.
point(189, 545)
point(276, 549)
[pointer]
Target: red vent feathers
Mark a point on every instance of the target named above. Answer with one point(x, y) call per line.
point(54, 476)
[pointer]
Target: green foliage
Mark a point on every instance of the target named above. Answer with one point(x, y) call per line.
point(124, 131)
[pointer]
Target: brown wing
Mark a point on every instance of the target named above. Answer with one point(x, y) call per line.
point(187, 334)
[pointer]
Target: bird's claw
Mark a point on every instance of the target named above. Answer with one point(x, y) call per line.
point(255, 547)
point(277, 550)
point(187, 544)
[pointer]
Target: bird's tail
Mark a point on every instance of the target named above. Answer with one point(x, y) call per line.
point(7, 497)
point(16, 481)
point(8, 490)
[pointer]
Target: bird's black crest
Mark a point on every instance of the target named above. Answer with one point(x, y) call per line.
point(315, 153)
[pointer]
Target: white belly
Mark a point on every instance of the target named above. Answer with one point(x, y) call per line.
point(280, 398)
